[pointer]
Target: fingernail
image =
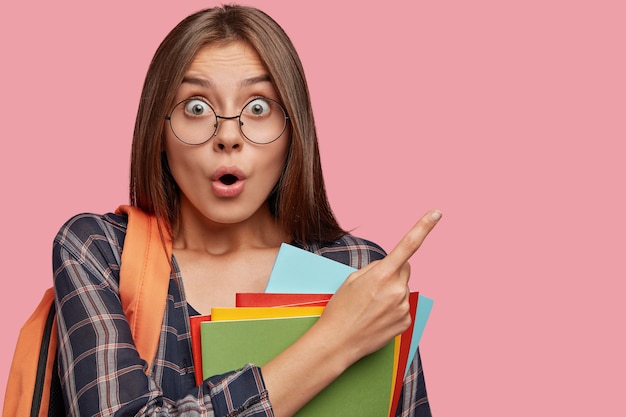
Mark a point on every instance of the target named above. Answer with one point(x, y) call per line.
point(435, 215)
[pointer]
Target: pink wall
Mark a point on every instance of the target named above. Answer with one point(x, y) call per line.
point(508, 116)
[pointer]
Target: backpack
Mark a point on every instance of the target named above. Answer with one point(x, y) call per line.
point(33, 388)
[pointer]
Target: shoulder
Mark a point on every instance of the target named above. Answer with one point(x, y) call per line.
point(89, 228)
point(350, 250)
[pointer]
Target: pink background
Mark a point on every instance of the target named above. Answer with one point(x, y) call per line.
point(508, 116)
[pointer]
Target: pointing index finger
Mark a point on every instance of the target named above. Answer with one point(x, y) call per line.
point(410, 243)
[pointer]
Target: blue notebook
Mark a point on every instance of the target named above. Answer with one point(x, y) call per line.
point(299, 271)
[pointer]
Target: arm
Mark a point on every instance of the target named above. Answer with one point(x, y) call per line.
point(357, 253)
point(101, 372)
point(367, 311)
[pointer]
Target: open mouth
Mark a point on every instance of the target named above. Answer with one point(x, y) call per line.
point(228, 179)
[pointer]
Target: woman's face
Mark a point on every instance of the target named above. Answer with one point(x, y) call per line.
point(227, 179)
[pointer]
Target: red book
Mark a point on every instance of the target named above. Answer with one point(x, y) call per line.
point(287, 300)
point(264, 299)
point(196, 349)
point(405, 344)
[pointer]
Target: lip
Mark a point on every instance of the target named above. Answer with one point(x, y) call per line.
point(221, 189)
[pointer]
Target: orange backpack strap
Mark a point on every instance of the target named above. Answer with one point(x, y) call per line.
point(144, 279)
point(28, 387)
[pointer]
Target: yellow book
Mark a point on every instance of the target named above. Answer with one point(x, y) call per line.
point(249, 313)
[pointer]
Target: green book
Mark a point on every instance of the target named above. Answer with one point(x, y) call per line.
point(363, 390)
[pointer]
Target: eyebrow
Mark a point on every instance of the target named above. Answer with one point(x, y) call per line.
point(202, 82)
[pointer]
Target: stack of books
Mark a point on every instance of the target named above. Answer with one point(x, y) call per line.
point(264, 324)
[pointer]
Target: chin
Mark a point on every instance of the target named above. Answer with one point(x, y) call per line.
point(234, 216)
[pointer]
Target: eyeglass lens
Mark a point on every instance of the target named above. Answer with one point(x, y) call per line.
point(194, 121)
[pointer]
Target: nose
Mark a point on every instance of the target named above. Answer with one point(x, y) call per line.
point(228, 133)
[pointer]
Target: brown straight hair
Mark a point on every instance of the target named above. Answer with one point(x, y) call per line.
point(299, 201)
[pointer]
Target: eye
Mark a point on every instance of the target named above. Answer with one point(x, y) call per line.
point(258, 107)
point(197, 107)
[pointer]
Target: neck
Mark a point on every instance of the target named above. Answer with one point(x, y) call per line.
point(198, 233)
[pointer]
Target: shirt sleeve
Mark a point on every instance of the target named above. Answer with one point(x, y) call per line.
point(100, 370)
point(414, 400)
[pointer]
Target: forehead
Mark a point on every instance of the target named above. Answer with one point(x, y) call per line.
point(235, 60)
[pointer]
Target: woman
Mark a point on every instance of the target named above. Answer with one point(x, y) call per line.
point(225, 154)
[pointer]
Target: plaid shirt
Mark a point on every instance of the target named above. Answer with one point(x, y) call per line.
point(100, 370)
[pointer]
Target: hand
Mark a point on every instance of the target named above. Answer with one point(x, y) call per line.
point(372, 307)
point(368, 310)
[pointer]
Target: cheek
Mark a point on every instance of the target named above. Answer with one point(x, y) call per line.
point(179, 159)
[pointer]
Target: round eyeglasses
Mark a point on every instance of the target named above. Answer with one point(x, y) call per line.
point(194, 122)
